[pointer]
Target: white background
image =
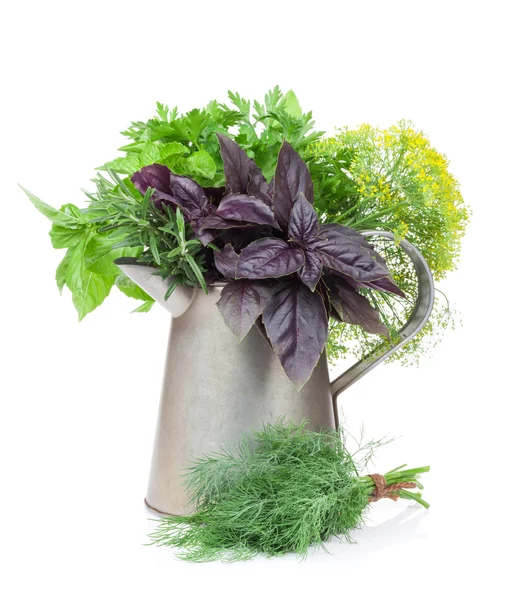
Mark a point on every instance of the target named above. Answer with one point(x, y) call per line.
point(78, 402)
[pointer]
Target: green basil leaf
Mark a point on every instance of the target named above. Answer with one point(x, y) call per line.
point(95, 288)
point(144, 308)
point(172, 148)
point(201, 163)
point(177, 164)
point(100, 254)
point(88, 289)
point(131, 289)
point(126, 165)
point(61, 271)
point(74, 212)
point(58, 217)
point(64, 237)
point(135, 147)
point(150, 154)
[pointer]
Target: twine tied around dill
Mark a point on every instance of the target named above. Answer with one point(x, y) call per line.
point(382, 490)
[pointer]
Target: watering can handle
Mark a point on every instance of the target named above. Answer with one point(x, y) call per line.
point(417, 320)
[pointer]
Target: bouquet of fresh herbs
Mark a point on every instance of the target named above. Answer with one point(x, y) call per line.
point(193, 191)
point(287, 273)
point(282, 489)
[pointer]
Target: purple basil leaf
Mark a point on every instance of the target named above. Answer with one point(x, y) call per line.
point(323, 290)
point(311, 270)
point(215, 221)
point(332, 229)
point(189, 196)
point(303, 221)
point(215, 194)
point(241, 207)
point(329, 230)
point(385, 284)
point(346, 256)
point(333, 314)
point(211, 276)
point(259, 187)
point(268, 257)
point(352, 282)
point(262, 330)
point(237, 165)
point(178, 190)
point(242, 302)
point(154, 176)
point(206, 236)
point(240, 237)
point(226, 261)
point(291, 177)
point(296, 322)
point(355, 309)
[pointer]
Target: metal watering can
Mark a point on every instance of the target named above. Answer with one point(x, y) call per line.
point(215, 388)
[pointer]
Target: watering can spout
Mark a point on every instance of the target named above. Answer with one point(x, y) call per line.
point(143, 275)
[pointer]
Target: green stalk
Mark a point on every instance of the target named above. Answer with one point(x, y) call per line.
point(380, 213)
point(399, 476)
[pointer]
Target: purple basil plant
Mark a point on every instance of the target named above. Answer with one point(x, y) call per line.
point(286, 273)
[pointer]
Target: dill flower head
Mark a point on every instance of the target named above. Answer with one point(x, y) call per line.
point(393, 179)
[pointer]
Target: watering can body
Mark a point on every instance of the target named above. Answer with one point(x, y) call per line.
point(216, 388)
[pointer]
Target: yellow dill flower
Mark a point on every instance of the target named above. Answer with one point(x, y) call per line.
point(397, 167)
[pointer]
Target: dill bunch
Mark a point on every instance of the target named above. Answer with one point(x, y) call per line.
point(282, 489)
point(392, 179)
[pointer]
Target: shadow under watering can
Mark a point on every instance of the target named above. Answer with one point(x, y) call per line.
point(215, 388)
